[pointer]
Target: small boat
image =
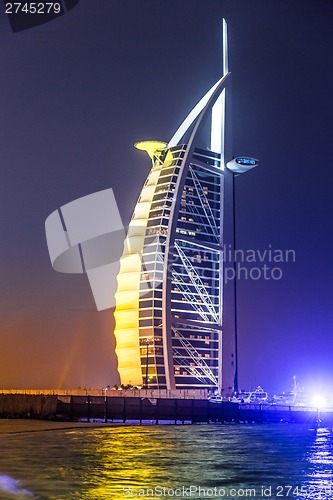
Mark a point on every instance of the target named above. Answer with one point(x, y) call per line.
point(296, 397)
point(258, 396)
point(241, 397)
point(215, 398)
point(286, 398)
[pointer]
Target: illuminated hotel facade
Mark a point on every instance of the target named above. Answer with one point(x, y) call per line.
point(175, 325)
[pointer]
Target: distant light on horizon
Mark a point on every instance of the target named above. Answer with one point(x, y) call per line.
point(319, 401)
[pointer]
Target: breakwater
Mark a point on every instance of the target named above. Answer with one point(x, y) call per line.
point(153, 410)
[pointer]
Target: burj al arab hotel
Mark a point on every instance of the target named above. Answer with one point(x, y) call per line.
point(175, 321)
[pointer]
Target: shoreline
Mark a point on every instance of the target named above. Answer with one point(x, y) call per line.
point(12, 426)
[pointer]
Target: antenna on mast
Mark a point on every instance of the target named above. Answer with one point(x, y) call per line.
point(217, 135)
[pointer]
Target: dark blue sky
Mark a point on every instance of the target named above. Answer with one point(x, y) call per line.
point(76, 93)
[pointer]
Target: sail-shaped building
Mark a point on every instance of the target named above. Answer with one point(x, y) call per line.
point(175, 325)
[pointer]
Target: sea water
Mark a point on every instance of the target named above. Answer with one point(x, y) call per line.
point(168, 461)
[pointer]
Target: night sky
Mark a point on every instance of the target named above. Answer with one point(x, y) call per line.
point(77, 92)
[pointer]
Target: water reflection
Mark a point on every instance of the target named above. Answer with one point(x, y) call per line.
point(107, 463)
point(320, 469)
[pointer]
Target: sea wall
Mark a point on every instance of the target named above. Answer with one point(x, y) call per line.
point(27, 406)
point(157, 410)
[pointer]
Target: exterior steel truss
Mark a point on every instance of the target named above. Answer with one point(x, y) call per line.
point(197, 283)
point(186, 291)
point(205, 204)
point(200, 363)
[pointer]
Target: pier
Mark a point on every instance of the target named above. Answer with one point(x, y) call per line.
point(140, 410)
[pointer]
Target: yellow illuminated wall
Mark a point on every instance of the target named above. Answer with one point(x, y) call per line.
point(128, 290)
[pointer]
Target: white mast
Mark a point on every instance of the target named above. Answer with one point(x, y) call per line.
point(218, 112)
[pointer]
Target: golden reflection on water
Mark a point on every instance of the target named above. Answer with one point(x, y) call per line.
point(128, 460)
